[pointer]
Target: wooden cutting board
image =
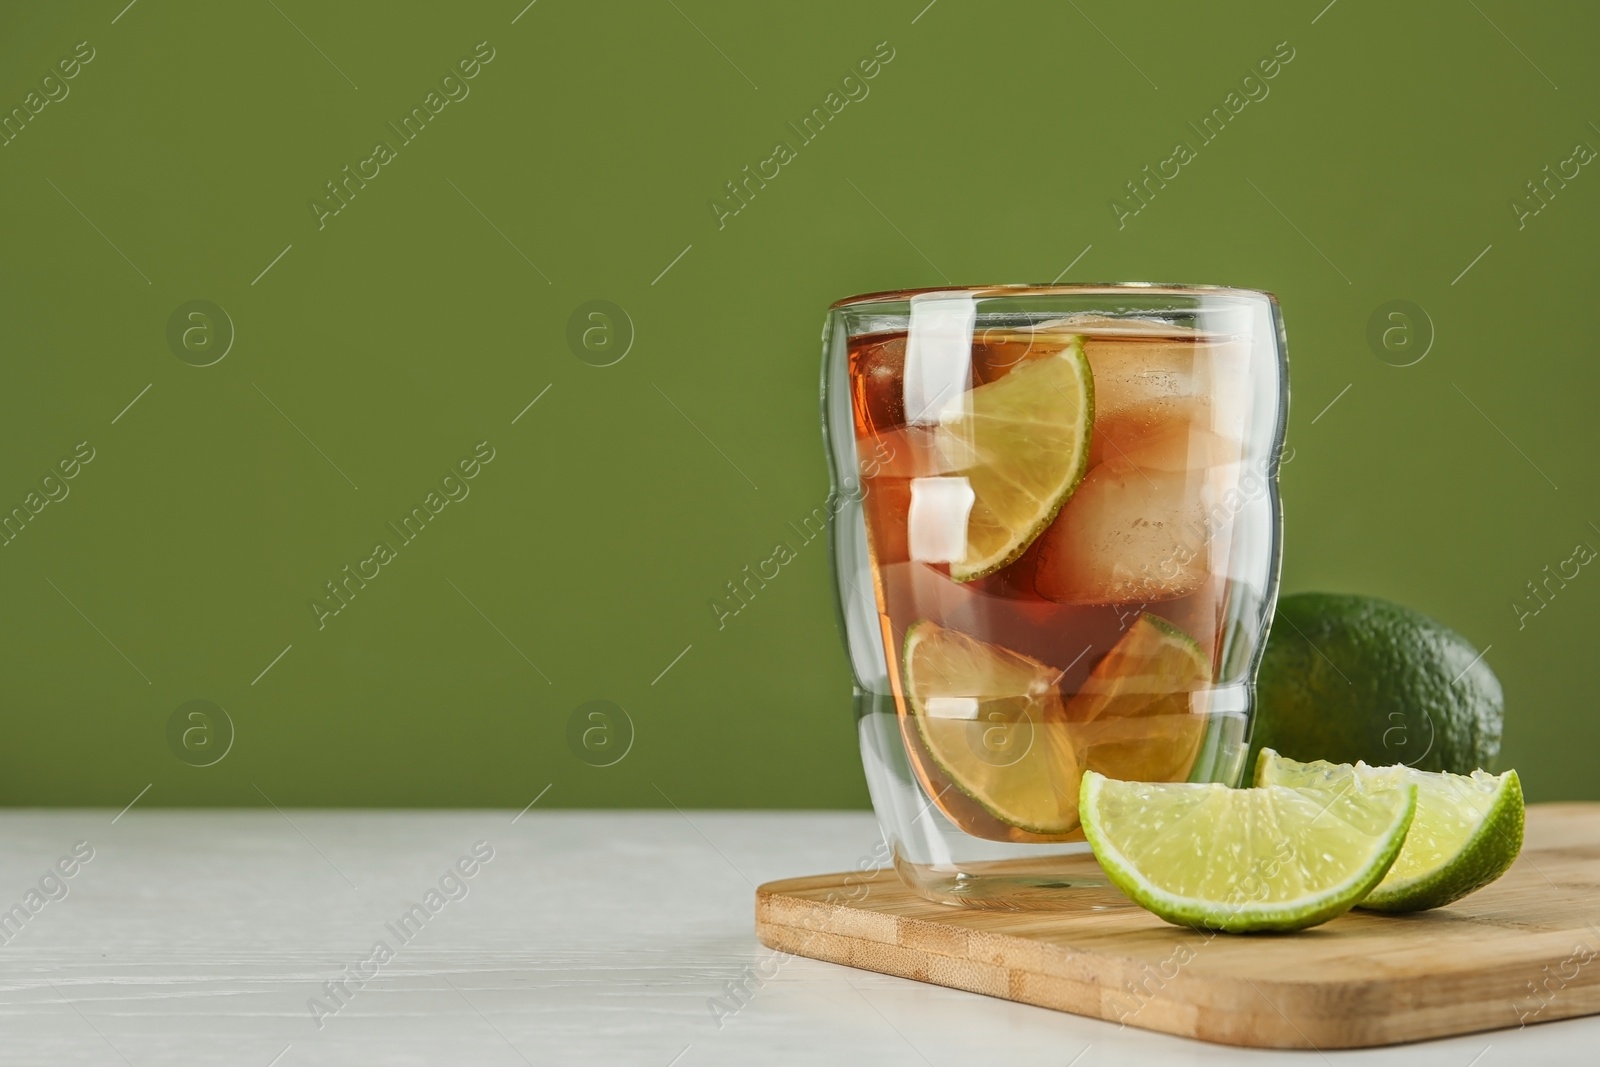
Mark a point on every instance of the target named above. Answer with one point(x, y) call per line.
point(1523, 950)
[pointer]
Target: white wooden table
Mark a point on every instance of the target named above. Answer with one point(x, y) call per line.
point(589, 937)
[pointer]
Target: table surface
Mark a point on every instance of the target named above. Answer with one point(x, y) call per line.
point(201, 937)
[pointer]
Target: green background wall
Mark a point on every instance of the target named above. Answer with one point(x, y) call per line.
point(425, 316)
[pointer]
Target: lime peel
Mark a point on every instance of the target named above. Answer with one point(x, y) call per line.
point(1467, 831)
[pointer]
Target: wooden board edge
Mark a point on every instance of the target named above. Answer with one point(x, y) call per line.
point(833, 933)
point(1043, 991)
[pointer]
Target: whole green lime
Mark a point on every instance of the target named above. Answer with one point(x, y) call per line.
point(1347, 678)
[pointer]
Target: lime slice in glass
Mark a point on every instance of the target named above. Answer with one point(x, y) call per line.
point(1022, 443)
point(991, 720)
point(1134, 717)
point(1467, 831)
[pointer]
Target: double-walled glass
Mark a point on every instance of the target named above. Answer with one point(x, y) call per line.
point(1056, 550)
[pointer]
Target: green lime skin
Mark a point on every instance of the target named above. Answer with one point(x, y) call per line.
point(1485, 858)
point(1347, 678)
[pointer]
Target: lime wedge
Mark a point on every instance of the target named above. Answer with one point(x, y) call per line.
point(991, 720)
point(1467, 831)
point(1022, 443)
point(1133, 718)
point(1215, 858)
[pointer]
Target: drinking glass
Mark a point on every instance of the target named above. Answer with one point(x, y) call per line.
point(1056, 546)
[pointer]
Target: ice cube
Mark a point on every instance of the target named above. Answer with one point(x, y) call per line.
point(1129, 534)
point(877, 370)
point(1146, 379)
point(1155, 440)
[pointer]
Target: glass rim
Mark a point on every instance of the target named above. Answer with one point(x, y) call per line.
point(888, 296)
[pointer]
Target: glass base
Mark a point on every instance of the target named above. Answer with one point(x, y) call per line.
point(944, 863)
point(1039, 884)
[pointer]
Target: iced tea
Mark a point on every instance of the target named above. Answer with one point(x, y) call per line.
point(1048, 514)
